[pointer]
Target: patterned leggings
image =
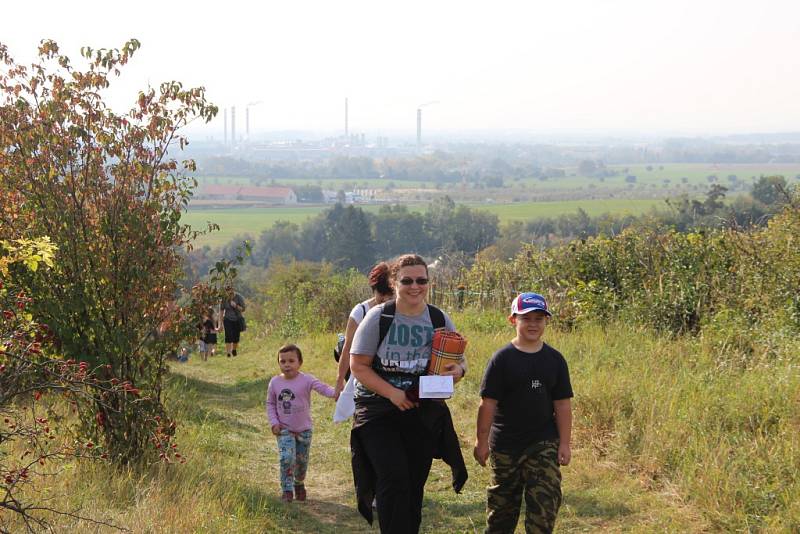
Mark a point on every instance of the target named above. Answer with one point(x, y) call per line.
point(293, 449)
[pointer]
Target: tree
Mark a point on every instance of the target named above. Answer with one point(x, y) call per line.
point(281, 240)
point(714, 199)
point(458, 228)
point(102, 187)
point(348, 239)
point(309, 193)
point(770, 190)
point(395, 228)
point(587, 167)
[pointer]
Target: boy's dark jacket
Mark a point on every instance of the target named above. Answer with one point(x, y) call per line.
point(437, 419)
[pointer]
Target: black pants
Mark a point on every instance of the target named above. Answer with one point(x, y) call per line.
point(232, 330)
point(400, 449)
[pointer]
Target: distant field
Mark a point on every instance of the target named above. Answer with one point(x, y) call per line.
point(252, 221)
point(240, 221)
point(696, 175)
point(668, 178)
point(660, 181)
point(536, 210)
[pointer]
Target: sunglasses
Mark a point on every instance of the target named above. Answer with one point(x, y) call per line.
point(409, 281)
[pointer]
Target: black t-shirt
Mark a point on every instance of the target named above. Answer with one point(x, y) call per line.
point(524, 384)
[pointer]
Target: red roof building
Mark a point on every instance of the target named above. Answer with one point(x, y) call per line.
point(267, 195)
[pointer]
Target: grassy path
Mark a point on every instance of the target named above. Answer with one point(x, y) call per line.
point(225, 435)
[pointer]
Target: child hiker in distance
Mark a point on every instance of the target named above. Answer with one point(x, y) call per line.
point(289, 413)
point(525, 423)
point(207, 329)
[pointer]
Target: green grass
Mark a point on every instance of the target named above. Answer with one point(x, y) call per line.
point(235, 222)
point(695, 173)
point(664, 442)
point(243, 221)
point(524, 211)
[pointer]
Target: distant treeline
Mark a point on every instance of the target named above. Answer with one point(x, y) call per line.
point(766, 197)
point(349, 237)
point(484, 164)
point(437, 168)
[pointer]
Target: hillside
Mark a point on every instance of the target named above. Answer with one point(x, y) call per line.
point(230, 482)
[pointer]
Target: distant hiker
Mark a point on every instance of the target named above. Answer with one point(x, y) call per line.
point(381, 292)
point(289, 414)
point(232, 319)
point(395, 435)
point(525, 423)
point(207, 333)
point(461, 291)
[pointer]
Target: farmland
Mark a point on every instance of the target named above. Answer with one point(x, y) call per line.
point(671, 175)
point(252, 221)
point(518, 200)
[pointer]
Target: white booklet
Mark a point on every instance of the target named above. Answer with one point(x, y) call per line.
point(435, 387)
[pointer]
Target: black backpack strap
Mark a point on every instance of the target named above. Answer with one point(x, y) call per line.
point(437, 317)
point(387, 317)
point(363, 311)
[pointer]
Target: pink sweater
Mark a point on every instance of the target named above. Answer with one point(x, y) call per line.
point(289, 401)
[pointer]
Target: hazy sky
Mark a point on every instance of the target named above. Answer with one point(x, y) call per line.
point(573, 65)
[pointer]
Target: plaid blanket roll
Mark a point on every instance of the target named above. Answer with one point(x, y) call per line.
point(448, 347)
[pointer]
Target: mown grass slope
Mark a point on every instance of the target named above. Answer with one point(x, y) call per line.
point(647, 456)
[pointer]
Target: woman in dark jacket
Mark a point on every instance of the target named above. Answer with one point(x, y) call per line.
point(388, 424)
point(232, 319)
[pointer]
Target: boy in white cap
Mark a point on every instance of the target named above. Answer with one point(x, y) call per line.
point(525, 423)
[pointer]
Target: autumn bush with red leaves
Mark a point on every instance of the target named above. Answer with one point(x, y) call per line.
point(44, 399)
point(105, 190)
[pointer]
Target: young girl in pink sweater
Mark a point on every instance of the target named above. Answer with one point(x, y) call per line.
point(289, 413)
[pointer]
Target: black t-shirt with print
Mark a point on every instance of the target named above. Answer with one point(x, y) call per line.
point(525, 384)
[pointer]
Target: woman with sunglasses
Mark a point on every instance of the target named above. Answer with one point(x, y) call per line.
point(387, 424)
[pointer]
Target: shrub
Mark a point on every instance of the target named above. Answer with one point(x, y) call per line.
point(309, 297)
point(44, 398)
point(668, 280)
point(101, 187)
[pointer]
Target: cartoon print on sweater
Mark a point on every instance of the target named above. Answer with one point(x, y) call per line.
point(286, 396)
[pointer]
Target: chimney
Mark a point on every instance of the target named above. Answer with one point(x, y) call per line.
point(226, 127)
point(233, 125)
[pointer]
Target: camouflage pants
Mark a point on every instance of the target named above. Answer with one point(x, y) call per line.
point(535, 472)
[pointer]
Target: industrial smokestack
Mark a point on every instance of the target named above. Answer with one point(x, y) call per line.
point(233, 125)
point(226, 127)
point(419, 127)
point(346, 125)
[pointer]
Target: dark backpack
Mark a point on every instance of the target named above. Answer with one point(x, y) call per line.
point(337, 350)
